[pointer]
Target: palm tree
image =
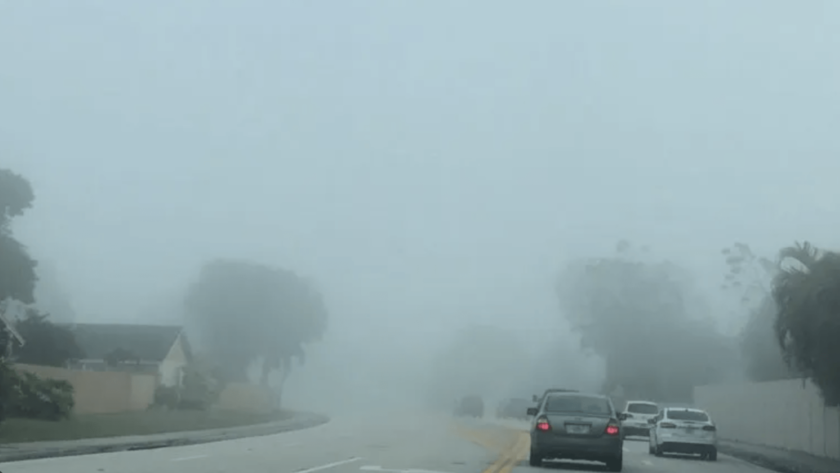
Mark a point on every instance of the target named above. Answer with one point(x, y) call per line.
point(807, 296)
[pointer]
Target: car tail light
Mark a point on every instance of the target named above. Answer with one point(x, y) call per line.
point(667, 425)
point(542, 424)
point(612, 429)
point(710, 428)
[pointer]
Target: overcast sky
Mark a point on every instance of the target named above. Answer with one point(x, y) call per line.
point(424, 161)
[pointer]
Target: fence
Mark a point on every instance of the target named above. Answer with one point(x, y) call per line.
point(786, 414)
point(102, 392)
point(245, 397)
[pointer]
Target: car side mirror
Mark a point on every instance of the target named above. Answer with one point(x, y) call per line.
point(651, 421)
point(532, 411)
point(622, 416)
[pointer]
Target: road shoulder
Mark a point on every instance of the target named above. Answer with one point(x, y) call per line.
point(35, 450)
point(780, 460)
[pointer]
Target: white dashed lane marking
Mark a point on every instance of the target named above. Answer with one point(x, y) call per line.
point(329, 465)
point(193, 457)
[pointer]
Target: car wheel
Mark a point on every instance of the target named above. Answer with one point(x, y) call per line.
point(658, 451)
point(651, 451)
point(616, 464)
point(712, 456)
point(535, 459)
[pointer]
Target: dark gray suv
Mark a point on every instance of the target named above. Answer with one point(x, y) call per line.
point(576, 426)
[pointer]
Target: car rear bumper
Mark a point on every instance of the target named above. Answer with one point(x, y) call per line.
point(687, 447)
point(687, 443)
point(636, 429)
point(576, 448)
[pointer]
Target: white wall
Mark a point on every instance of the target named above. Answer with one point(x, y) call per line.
point(172, 366)
point(786, 414)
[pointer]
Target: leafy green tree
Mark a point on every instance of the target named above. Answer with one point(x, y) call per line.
point(807, 295)
point(246, 312)
point(17, 268)
point(636, 312)
point(749, 278)
point(47, 344)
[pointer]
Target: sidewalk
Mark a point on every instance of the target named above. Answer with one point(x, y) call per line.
point(776, 459)
point(34, 450)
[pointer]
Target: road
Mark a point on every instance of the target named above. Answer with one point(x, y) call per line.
point(388, 442)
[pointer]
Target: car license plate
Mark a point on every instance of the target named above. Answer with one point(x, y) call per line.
point(577, 429)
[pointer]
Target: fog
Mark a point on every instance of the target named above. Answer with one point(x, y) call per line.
point(432, 166)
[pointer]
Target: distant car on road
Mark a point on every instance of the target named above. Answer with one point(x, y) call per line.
point(576, 426)
point(636, 417)
point(514, 408)
point(470, 406)
point(683, 430)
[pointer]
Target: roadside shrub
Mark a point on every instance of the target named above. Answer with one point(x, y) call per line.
point(33, 397)
point(166, 396)
point(200, 389)
point(8, 379)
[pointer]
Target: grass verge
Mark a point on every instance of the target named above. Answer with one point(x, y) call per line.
point(129, 423)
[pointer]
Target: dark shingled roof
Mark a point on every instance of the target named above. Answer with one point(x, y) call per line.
point(147, 342)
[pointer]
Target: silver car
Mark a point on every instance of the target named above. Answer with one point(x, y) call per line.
point(576, 426)
point(683, 430)
point(636, 417)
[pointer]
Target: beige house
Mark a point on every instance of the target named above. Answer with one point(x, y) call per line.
point(162, 350)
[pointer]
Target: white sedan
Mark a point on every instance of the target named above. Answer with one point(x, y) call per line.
point(683, 430)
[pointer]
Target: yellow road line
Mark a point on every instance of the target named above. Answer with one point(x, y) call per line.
point(494, 440)
point(517, 454)
point(512, 448)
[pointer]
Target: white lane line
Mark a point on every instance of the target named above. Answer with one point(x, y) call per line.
point(194, 457)
point(647, 463)
point(625, 449)
point(329, 465)
point(388, 470)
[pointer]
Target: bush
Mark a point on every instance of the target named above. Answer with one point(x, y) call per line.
point(34, 397)
point(29, 396)
point(8, 379)
point(166, 396)
point(198, 391)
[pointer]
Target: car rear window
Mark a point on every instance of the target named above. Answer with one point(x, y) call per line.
point(578, 404)
point(641, 408)
point(696, 416)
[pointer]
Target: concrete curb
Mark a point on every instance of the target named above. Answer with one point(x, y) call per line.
point(36, 450)
point(763, 461)
point(777, 463)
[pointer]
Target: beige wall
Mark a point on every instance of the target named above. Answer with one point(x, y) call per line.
point(245, 397)
point(102, 392)
point(171, 367)
point(784, 414)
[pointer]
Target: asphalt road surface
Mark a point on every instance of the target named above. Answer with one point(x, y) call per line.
point(385, 442)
